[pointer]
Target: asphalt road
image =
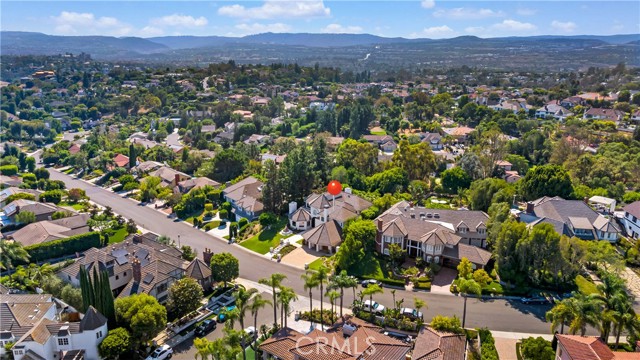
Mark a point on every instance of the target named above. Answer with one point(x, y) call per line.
point(501, 315)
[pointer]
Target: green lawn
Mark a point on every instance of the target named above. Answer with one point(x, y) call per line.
point(371, 266)
point(116, 236)
point(76, 206)
point(315, 265)
point(585, 286)
point(265, 240)
point(493, 288)
point(380, 132)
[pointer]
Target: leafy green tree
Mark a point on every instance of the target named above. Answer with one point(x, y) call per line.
point(537, 349)
point(468, 287)
point(465, 269)
point(359, 238)
point(482, 192)
point(455, 179)
point(299, 174)
point(25, 217)
point(227, 165)
point(586, 311)
point(546, 180)
point(185, 296)
point(30, 162)
point(396, 253)
point(41, 173)
point(361, 156)
point(417, 160)
point(518, 163)
point(482, 277)
point(116, 344)
point(142, 314)
point(272, 192)
point(389, 181)
point(225, 267)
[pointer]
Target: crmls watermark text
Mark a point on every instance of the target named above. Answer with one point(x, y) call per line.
point(325, 346)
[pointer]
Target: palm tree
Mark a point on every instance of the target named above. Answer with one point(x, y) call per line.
point(343, 281)
point(41, 272)
point(559, 315)
point(275, 280)
point(624, 316)
point(10, 253)
point(242, 306)
point(586, 310)
point(419, 304)
point(285, 297)
point(310, 283)
point(468, 287)
point(202, 346)
point(258, 303)
point(333, 295)
point(321, 275)
point(371, 290)
point(611, 286)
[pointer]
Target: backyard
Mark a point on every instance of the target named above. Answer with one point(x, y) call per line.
point(116, 236)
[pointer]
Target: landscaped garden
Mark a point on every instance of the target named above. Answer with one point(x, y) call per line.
point(267, 238)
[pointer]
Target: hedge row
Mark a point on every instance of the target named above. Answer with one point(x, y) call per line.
point(62, 247)
point(390, 282)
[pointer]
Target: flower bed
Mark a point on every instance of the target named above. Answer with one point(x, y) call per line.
point(328, 318)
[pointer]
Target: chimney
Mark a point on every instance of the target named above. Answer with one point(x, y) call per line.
point(207, 254)
point(379, 225)
point(529, 208)
point(137, 238)
point(326, 213)
point(136, 269)
point(177, 178)
point(18, 209)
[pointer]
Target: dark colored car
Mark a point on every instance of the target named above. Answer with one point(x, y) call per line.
point(205, 327)
point(535, 300)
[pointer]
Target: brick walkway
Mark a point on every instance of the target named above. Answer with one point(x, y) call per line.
point(506, 348)
point(633, 281)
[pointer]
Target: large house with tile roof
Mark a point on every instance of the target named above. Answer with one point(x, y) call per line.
point(437, 345)
point(349, 338)
point(139, 264)
point(435, 235)
point(32, 323)
point(42, 211)
point(571, 218)
point(575, 347)
point(49, 230)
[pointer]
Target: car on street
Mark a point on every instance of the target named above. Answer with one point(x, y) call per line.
point(250, 331)
point(534, 300)
point(161, 353)
point(410, 313)
point(205, 327)
point(367, 282)
point(372, 306)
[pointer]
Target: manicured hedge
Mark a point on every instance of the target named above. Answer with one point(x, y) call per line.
point(62, 247)
point(390, 282)
point(8, 170)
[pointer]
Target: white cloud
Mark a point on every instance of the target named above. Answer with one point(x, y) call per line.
point(70, 23)
point(428, 4)
point(339, 29)
point(514, 26)
point(565, 27)
point(180, 21)
point(150, 31)
point(257, 28)
point(467, 13)
point(526, 12)
point(438, 32)
point(277, 9)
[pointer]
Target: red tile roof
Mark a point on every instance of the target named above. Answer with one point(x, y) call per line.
point(585, 347)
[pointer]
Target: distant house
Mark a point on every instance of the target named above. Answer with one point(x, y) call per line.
point(6, 193)
point(49, 230)
point(434, 140)
point(377, 140)
point(257, 139)
point(42, 211)
point(146, 167)
point(389, 146)
point(208, 129)
point(604, 114)
point(196, 183)
point(74, 149)
point(631, 220)
point(571, 218)
point(121, 161)
point(504, 165)
point(278, 159)
point(245, 197)
point(635, 116)
point(460, 134)
point(224, 137)
point(432, 344)
point(554, 110)
point(169, 177)
point(575, 347)
point(572, 102)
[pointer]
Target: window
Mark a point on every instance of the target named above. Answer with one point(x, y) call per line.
point(481, 230)
point(18, 352)
point(63, 341)
point(125, 273)
point(386, 251)
point(117, 277)
point(98, 334)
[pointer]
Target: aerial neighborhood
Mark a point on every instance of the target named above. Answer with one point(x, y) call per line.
point(234, 211)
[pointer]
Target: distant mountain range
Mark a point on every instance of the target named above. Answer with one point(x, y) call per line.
point(347, 49)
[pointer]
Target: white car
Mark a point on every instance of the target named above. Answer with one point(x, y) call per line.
point(250, 331)
point(412, 314)
point(161, 353)
point(368, 305)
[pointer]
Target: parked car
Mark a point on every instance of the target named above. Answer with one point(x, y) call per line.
point(161, 353)
point(534, 300)
point(410, 313)
point(366, 283)
point(250, 331)
point(368, 305)
point(205, 327)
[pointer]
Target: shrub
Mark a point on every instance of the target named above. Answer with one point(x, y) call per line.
point(211, 225)
point(286, 249)
point(267, 219)
point(8, 170)
point(446, 324)
point(29, 177)
point(243, 222)
point(488, 345)
point(53, 196)
point(226, 206)
point(537, 348)
point(208, 207)
point(224, 214)
point(327, 317)
point(63, 247)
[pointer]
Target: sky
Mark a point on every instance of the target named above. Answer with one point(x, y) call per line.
point(410, 19)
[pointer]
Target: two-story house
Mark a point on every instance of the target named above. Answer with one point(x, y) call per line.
point(139, 264)
point(245, 198)
point(604, 114)
point(434, 140)
point(169, 177)
point(571, 218)
point(575, 347)
point(631, 220)
point(433, 237)
point(553, 110)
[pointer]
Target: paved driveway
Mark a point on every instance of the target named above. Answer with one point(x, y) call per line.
point(299, 257)
point(443, 280)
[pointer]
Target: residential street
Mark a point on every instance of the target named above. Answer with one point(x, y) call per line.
point(502, 315)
